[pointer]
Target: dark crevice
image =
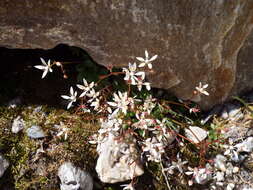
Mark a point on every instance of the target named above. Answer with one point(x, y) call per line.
point(19, 78)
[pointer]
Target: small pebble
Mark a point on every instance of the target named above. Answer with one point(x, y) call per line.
point(35, 132)
point(4, 164)
point(17, 125)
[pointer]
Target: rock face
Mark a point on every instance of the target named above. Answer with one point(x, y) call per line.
point(244, 68)
point(195, 40)
point(73, 178)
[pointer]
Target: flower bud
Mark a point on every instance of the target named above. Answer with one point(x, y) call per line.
point(58, 63)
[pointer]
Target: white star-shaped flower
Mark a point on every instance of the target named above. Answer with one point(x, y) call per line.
point(231, 151)
point(71, 98)
point(92, 94)
point(63, 131)
point(201, 89)
point(95, 103)
point(146, 61)
point(178, 165)
point(132, 75)
point(110, 125)
point(200, 175)
point(140, 83)
point(45, 67)
point(154, 149)
point(121, 102)
point(143, 122)
point(149, 104)
point(86, 87)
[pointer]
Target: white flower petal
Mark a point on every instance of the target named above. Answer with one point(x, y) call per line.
point(139, 87)
point(206, 93)
point(44, 73)
point(43, 61)
point(65, 136)
point(141, 73)
point(109, 110)
point(126, 77)
point(142, 64)
point(112, 104)
point(92, 84)
point(205, 86)
point(80, 87)
point(83, 94)
point(71, 90)
point(85, 82)
point(134, 67)
point(153, 58)
point(115, 111)
point(146, 54)
point(65, 97)
point(120, 95)
point(150, 65)
point(148, 86)
point(189, 173)
point(41, 67)
point(69, 105)
point(140, 59)
point(48, 63)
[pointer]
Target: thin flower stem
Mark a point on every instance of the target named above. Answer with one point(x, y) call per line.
point(129, 89)
point(186, 139)
point(107, 76)
point(164, 175)
point(179, 123)
point(70, 62)
point(175, 103)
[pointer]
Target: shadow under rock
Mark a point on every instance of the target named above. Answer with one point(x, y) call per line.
point(19, 78)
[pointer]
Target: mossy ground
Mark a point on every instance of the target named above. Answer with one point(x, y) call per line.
point(29, 170)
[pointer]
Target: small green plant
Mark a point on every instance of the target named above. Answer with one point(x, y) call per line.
point(122, 101)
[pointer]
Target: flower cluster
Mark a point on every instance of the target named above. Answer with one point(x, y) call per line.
point(130, 112)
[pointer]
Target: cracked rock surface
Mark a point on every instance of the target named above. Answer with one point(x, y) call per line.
point(195, 40)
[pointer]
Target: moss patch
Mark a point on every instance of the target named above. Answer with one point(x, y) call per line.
point(30, 169)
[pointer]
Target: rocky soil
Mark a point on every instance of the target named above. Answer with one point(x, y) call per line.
point(47, 148)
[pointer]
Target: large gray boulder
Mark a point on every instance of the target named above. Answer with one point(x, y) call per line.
point(196, 40)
